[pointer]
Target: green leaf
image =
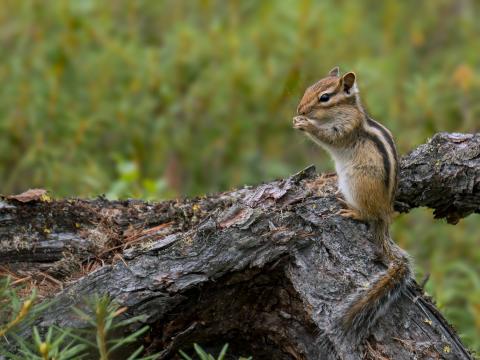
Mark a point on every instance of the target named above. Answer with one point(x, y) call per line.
point(185, 356)
point(200, 352)
point(223, 352)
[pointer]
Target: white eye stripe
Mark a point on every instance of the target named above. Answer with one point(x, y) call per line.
point(330, 91)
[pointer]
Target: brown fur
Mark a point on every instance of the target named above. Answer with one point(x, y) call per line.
point(366, 162)
point(372, 198)
point(382, 286)
point(310, 105)
point(341, 123)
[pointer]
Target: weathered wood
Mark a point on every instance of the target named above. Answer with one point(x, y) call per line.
point(263, 267)
point(444, 175)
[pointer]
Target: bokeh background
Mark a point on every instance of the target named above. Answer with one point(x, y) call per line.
point(161, 99)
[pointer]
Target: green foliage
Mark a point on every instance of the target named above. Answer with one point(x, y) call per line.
point(54, 346)
point(202, 354)
point(102, 315)
point(101, 338)
point(199, 96)
point(158, 99)
point(15, 310)
point(449, 255)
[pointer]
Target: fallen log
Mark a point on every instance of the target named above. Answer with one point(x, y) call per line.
point(263, 268)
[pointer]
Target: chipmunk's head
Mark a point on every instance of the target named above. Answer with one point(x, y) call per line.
point(331, 98)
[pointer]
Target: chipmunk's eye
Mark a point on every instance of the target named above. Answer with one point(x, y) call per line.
point(324, 98)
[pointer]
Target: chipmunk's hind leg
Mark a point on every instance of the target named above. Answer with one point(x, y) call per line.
point(350, 213)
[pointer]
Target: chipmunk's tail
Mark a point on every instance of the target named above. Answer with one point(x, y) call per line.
point(360, 312)
point(368, 304)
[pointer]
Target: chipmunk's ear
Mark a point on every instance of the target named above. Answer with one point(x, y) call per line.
point(334, 72)
point(348, 81)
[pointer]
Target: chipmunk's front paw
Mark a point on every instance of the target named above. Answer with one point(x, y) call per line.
point(302, 123)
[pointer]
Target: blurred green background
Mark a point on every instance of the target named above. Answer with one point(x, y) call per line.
point(160, 99)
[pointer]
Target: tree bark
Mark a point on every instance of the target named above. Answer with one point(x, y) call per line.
point(263, 268)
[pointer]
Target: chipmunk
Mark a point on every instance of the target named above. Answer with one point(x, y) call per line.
point(366, 161)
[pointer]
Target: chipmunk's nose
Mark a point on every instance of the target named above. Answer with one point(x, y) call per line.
point(301, 110)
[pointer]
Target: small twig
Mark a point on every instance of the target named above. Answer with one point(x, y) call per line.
point(120, 257)
point(375, 354)
point(407, 343)
point(424, 281)
point(136, 238)
point(21, 280)
point(5, 271)
point(52, 279)
point(150, 231)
